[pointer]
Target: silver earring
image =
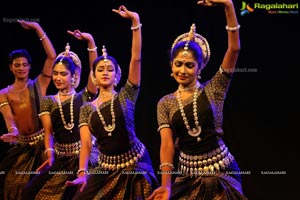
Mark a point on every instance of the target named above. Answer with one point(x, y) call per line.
point(198, 75)
point(172, 74)
point(73, 81)
point(95, 82)
point(116, 82)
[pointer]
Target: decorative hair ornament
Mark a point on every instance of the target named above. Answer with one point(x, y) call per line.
point(76, 60)
point(104, 53)
point(199, 39)
point(118, 71)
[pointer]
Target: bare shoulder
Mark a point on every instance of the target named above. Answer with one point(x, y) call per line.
point(4, 91)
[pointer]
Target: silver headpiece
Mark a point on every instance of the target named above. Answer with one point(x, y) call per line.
point(199, 39)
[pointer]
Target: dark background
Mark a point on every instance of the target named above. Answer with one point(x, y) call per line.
point(260, 110)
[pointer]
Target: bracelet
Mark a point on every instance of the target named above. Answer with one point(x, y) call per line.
point(43, 37)
point(49, 149)
point(232, 29)
point(82, 170)
point(3, 104)
point(93, 49)
point(135, 28)
point(166, 164)
point(10, 129)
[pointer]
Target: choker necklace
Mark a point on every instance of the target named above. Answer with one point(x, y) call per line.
point(111, 126)
point(70, 125)
point(104, 96)
point(195, 132)
point(188, 88)
point(17, 91)
point(66, 94)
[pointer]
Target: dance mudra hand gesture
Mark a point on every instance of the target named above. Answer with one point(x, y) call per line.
point(80, 180)
point(28, 24)
point(213, 2)
point(123, 12)
point(48, 162)
point(80, 35)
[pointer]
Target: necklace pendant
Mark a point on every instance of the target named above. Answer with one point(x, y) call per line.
point(109, 128)
point(69, 126)
point(109, 134)
point(195, 132)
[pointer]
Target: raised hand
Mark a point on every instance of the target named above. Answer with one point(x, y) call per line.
point(123, 12)
point(80, 35)
point(28, 24)
point(214, 2)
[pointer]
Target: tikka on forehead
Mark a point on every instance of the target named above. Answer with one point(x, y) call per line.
point(104, 54)
point(199, 39)
point(191, 37)
point(117, 68)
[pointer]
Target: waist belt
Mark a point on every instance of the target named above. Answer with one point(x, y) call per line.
point(207, 163)
point(31, 139)
point(118, 161)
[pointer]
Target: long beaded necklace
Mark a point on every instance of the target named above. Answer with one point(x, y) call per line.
point(195, 132)
point(111, 126)
point(69, 126)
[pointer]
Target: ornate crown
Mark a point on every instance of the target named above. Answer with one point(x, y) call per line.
point(76, 60)
point(119, 71)
point(199, 39)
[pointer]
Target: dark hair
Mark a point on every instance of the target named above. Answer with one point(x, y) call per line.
point(68, 62)
point(17, 54)
point(193, 47)
point(113, 60)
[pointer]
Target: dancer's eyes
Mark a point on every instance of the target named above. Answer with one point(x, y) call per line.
point(187, 64)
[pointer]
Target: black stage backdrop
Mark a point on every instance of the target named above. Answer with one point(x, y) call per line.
point(260, 110)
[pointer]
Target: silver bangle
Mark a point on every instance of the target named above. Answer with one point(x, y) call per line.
point(12, 128)
point(233, 28)
point(137, 27)
point(167, 165)
point(82, 170)
point(49, 149)
point(93, 49)
point(43, 37)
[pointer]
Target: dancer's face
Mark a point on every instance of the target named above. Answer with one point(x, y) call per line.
point(62, 77)
point(185, 68)
point(105, 73)
point(20, 67)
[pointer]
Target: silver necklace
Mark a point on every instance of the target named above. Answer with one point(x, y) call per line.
point(69, 126)
point(189, 88)
point(66, 94)
point(111, 126)
point(195, 132)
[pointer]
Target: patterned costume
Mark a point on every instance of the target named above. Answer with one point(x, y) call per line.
point(124, 168)
point(20, 162)
point(50, 184)
point(204, 161)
